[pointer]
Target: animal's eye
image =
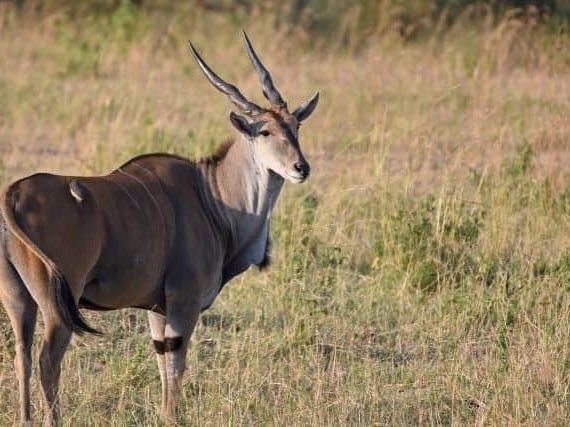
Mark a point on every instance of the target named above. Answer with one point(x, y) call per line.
point(264, 133)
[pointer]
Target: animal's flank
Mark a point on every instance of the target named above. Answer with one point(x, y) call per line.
point(60, 291)
point(124, 190)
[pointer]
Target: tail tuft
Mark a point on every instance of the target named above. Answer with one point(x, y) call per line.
point(66, 306)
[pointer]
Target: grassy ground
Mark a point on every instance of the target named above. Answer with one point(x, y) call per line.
point(421, 276)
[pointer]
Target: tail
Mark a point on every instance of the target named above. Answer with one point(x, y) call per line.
point(68, 311)
point(59, 291)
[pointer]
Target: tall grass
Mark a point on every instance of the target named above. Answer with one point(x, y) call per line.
point(421, 276)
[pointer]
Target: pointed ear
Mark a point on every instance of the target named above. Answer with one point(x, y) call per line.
point(306, 109)
point(242, 125)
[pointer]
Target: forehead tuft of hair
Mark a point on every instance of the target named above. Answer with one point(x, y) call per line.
point(280, 110)
point(279, 115)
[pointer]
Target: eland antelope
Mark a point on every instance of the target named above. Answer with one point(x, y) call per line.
point(160, 233)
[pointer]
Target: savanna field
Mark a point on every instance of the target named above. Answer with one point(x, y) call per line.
point(422, 274)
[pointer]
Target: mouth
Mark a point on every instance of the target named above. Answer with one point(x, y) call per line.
point(295, 178)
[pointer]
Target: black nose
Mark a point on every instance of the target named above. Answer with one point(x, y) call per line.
point(303, 168)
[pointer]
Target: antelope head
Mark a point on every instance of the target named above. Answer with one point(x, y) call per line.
point(273, 131)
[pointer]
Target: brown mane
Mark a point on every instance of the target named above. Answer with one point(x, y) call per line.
point(219, 154)
point(213, 159)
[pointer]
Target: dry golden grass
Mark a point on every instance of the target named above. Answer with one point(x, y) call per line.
point(420, 277)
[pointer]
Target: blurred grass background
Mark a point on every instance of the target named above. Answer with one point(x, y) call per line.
point(420, 277)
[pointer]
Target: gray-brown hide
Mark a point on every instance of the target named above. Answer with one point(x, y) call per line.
point(161, 233)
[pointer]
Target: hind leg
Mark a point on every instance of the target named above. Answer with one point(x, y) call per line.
point(56, 334)
point(22, 311)
point(56, 340)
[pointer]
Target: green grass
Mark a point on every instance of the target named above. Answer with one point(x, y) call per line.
point(421, 276)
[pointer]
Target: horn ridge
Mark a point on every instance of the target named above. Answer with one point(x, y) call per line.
point(228, 89)
point(269, 90)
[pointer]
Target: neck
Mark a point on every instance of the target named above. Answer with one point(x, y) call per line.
point(244, 193)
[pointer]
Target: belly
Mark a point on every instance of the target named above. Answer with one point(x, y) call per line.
point(130, 281)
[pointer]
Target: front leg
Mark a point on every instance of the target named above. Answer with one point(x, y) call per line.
point(182, 315)
point(157, 324)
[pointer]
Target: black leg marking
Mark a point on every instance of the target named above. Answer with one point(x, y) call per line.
point(172, 344)
point(158, 346)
